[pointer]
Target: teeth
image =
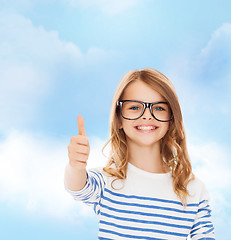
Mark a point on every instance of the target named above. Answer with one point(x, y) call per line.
point(146, 128)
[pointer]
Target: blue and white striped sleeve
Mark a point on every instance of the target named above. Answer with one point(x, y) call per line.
point(91, 193)
point(203, 227)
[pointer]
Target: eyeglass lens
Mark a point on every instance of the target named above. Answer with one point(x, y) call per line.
point(133, 110)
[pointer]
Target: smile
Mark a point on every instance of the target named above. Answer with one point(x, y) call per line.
point(146, 127)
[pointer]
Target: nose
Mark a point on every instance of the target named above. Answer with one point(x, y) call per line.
point(147, 114)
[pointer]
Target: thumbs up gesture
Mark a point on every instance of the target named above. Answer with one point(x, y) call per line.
point(79, 148)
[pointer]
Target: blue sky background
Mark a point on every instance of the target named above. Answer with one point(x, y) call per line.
point(61, 58)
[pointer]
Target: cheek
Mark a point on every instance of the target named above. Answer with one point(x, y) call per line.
point(127, 125)
point(124, 124)
point(165, 128)
point(168, 125)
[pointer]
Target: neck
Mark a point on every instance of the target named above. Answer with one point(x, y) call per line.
point(147, 158)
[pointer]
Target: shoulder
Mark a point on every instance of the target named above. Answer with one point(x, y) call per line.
point(197, 188)
point(99, 171)
point(95, 169)
point(196, 182)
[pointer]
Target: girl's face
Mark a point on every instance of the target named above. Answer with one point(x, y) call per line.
point(140, 91)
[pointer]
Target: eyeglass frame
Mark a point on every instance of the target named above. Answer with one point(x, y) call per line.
point(145, 105)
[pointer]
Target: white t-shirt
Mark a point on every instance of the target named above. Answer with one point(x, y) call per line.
point(146, 207)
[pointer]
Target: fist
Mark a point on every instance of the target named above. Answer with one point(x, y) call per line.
point(79, 148)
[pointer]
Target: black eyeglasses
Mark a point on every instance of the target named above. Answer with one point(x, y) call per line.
point(133, 109)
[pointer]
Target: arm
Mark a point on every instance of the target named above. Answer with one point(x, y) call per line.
point(83, 185)
point(92, 191)
point(75, 179)
point(203, 227)
point(78, 152)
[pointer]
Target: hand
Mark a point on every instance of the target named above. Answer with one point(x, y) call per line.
point(79, 148)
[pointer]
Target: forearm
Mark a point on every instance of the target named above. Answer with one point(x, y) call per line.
point(75, 179)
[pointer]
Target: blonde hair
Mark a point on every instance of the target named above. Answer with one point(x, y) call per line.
point(173, 147)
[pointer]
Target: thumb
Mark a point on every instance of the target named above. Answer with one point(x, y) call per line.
point(81, 127)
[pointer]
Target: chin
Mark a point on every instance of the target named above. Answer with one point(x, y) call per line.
point(147, 143)
point(145, 140)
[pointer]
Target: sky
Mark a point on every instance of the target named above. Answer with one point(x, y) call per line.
point(62, 58)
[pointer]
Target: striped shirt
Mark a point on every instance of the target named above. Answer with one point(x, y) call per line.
point(146, 207)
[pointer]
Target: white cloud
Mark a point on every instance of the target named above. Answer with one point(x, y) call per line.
point(219, 41)
point(32, 61)
point(215, 58)
point(32, 174)
point(22, 41)
point(109, 7)
point(28, 59)
point(211, 163)
point(203, 82)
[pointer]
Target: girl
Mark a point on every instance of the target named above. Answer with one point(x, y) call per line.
point(147, 189)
